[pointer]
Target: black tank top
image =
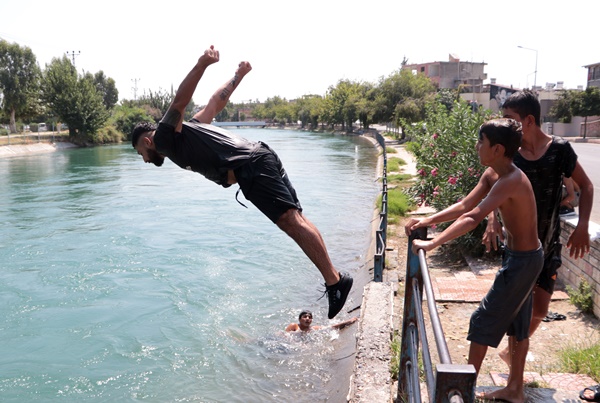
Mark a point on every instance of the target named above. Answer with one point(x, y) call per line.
point(546, 176)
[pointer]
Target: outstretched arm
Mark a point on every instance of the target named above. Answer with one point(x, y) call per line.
point(345, 323)
point(219, 99)
point(174, 115)
point(579, 241)
point(487, 180)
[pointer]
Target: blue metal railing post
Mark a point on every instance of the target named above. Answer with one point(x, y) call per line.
point(451, 383)
point(414, 284)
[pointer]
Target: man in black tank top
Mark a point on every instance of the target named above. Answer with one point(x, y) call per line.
point(545, 160)
point(226, 158)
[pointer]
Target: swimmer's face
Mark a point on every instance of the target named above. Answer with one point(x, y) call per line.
point(306, 319)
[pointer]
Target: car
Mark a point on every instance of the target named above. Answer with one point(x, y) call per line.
point(42, 127)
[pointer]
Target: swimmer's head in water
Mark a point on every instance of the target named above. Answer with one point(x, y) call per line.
point(305, 312)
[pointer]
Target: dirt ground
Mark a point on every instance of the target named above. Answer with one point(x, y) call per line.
point(577, 330)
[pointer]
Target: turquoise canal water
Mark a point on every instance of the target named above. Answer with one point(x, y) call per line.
point(121, 281)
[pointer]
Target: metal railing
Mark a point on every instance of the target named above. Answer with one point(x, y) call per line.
point(381, 233)
point(451, 382)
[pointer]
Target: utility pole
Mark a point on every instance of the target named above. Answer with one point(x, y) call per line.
point(536, 60)
point(73, 54)
point(134, 88)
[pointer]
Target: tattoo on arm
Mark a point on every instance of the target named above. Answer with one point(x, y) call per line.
point(225, 94)
point(172, 117)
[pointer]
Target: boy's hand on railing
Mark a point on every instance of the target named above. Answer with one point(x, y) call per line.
point(412, 225)
point(422, 244)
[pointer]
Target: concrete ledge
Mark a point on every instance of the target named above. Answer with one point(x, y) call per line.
point(372, 381)
point(33, 148)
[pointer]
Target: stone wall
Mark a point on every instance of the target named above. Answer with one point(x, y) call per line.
point(572, 271)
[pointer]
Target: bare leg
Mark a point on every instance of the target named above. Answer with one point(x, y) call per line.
point(513, 392)
point(541, 302)
point(476, 355)
point(308, 237)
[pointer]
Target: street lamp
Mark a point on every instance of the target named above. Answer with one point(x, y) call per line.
point(536, 58)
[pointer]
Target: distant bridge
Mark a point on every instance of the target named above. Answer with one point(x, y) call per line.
point(240, 124)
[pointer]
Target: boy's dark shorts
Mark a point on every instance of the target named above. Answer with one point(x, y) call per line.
point(265, 183)
point(552, 261)
point(506, 309)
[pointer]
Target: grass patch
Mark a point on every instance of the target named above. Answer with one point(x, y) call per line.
point(394, 163)
point(536, 384)
point(398, 203)
point(401, 179)
point(581, 360)
point(390, 150)
point(395, 361)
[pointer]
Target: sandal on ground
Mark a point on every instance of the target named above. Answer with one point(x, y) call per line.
point(595, 389)
point(552, 316)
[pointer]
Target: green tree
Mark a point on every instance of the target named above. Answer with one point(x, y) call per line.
point(75, 100)
point(588, 105)
point(562, 109)
point(19, 82)
point(156, 103)
point(403, 87)
point(308, 110)
point(107, 87)
point(343, 101)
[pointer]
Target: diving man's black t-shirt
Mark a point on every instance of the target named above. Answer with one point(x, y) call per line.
point(206, 149)
point(546, 176)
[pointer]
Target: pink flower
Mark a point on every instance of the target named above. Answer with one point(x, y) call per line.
point(453, 154)
point(435, 136)
point(434, 172)
point(422, 172)
point(452, 180)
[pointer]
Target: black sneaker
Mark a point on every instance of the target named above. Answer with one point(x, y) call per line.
point(338, 293)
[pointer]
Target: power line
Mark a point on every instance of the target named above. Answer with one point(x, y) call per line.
point(73, 54)
point(135, 88)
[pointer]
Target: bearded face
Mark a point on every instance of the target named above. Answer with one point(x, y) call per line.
point(155, 158)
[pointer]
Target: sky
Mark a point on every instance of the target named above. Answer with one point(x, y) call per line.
point(304, 47)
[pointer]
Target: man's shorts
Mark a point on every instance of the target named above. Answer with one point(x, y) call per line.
point(265, 183)
point(552, 261)
point(506, 309)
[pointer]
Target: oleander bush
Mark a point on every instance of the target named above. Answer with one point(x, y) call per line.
point(447, 163)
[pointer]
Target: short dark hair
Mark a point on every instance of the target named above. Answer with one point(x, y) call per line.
point(305, 312)
point(506, 132)
point(525, 103)
point(140, 129)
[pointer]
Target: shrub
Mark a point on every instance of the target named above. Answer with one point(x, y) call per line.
point(124, 118)
point(107, 135)
point(583, 297)
point(447, 162)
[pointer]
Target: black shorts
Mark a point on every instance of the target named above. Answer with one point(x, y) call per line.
point(506, 309)
point(552, 261)
point(265, 183)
